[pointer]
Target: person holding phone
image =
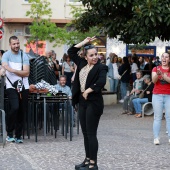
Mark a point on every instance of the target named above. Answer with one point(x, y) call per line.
point(161, 96)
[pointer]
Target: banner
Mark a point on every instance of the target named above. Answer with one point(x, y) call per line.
point(41, 47)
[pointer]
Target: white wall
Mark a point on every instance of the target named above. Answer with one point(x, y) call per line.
point(18, 8)
point(10, 30)
point(119, 48)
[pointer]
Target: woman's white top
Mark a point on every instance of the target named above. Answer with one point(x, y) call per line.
point(115, 71)
point(67, 67)
point(134, 68)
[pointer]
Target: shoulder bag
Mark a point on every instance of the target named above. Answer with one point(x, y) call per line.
point(123, 74)
point(141, 95)
point(18, 84)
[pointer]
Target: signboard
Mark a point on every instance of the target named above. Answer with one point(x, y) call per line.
point(167, 49)
point(41, 49)
point(1, 22)
point(1, 34)
point(148, 51)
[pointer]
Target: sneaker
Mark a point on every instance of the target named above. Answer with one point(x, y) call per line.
point(166, 132)
point(156, 141)
point(121, 101)
point(169, 141)
point(18, 140)
point(9, 139)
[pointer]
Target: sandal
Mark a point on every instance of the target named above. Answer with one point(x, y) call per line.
point(136, 114)
point(130, 113)
point(84, 164)
point(139, 115)
point(125, 112)
point(93, 166)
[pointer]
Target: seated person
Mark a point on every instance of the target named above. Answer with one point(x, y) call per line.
point(137, 88)
point(63, 87)
point(148, 88)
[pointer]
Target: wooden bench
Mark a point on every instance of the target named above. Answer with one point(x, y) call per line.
point(109, 97)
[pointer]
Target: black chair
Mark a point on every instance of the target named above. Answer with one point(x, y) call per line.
point(45, 111)
point(40, 70)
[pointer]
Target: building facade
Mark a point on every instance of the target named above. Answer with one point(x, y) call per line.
point(16, 22)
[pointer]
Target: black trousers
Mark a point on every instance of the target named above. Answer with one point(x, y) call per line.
point(89, 121)
point(69, 76)
point(18, 106)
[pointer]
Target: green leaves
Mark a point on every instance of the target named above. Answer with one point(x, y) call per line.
point(42, 28)
point(135, 21)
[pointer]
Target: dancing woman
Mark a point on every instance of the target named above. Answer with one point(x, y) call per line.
point(90, 78)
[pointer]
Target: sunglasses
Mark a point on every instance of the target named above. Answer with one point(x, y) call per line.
point(89, 47)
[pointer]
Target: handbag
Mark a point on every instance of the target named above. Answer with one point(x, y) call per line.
point(141, 95)
point(18, 84)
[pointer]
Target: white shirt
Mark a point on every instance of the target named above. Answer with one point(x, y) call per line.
point(115, 71)
point(134, 68)
point(14, 61)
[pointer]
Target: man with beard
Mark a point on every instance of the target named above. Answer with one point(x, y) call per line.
point(16, 64)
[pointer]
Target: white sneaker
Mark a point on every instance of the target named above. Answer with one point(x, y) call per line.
point(121, 101)
point(156, 141)
point(169, 141)
point(166, 132)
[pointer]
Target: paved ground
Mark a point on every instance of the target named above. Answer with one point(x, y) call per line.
point(126, 143)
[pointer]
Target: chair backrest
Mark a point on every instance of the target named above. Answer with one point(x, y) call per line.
point(2, 84)
point(39, 69)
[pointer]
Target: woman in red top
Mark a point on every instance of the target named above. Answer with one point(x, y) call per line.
point(161, 95)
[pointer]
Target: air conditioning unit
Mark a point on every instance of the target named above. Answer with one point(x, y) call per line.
point(27, 31)
point(18, 32)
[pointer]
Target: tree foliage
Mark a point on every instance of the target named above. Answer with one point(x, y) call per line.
point(42, 28)
point(135, 21)
point(73, 35)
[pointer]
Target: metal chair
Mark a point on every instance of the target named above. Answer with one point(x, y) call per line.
point(3, 127)
point(147, 109)
point(43, 108)
point(2, 116)
point(40, 70)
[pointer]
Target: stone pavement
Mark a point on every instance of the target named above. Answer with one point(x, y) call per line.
point(125, 143)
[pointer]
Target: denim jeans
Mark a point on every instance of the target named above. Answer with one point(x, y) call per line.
point(113, 84)
point(160, 102)
point(123, 89)
point(137, 103)
point(127, 104)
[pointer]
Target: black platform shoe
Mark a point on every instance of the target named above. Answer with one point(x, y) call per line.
point(83, 165)
point(94, 166)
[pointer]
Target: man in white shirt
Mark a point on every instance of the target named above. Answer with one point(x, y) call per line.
point(16, 65)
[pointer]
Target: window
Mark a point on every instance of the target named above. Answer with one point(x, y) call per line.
point(74, 0)
point(78, 2)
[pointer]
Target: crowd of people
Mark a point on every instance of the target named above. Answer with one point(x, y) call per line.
point(123, 71)
point(85, 72)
